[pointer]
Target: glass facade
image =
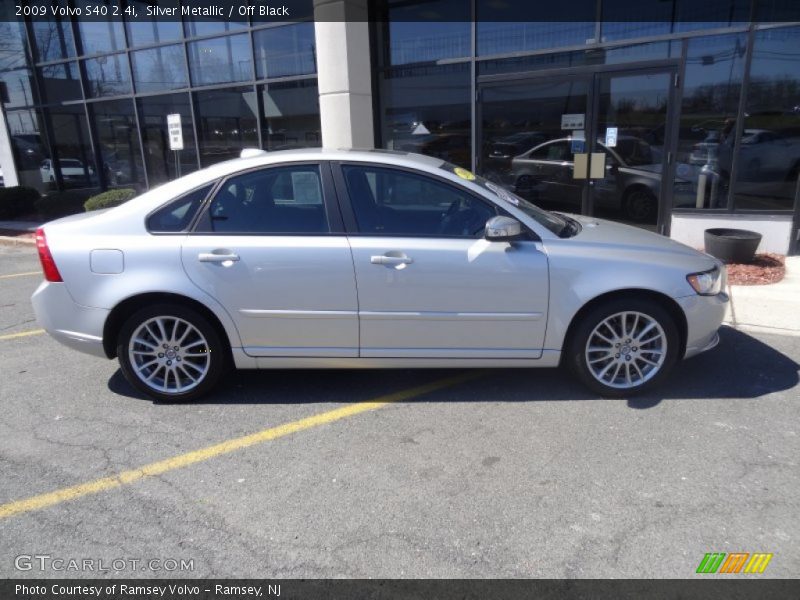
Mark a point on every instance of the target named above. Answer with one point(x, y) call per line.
point(631, 112)
point(634, 112)
point(86, 101)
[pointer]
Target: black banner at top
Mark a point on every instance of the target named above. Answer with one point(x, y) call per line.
point(716, 13)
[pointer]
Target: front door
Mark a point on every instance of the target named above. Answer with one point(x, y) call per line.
point(591, 143)
point(270, 251)
point(429, 285)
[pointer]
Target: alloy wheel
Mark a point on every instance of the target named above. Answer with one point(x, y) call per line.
point(169, 354)
point(626, 349)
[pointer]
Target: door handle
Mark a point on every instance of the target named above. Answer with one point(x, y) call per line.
point(213, 257)
point(389, 260)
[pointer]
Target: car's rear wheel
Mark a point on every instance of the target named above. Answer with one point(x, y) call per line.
point(171, 352)
point(624, 347)
point(641, 205)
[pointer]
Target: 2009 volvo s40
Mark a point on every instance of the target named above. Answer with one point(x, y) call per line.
point(352, 259)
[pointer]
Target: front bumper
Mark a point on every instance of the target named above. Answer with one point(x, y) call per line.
point(704, 315)
point(76, 326)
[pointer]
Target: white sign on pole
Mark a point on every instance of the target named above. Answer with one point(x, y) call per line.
point(175, 131)
point(573, 121)
point(611, 137)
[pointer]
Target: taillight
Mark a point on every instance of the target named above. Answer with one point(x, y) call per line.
point(48, 264)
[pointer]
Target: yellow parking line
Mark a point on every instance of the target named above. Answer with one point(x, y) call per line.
point(20, 274)
point(196, 456)
point(11, 336)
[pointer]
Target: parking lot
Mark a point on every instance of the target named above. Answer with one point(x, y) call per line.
point(497, 473)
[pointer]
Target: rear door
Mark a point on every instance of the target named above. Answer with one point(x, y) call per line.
point(271, 249)
point(429, 284)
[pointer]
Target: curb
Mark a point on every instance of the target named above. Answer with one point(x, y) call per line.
point(6, 240)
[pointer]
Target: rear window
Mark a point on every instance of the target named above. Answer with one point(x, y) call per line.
point(178, 214)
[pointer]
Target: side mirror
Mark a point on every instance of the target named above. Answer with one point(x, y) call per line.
point(503, 229)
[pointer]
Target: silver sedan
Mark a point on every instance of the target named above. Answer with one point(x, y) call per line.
point(367, 259)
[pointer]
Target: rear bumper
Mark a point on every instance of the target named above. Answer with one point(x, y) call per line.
point(76, 326)
point(704, 315)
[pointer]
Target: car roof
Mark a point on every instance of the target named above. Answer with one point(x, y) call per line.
point(341, 154)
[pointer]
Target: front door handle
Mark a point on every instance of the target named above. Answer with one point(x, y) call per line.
point(218, 257)
point(391, 260)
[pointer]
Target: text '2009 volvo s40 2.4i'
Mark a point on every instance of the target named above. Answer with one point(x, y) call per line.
point(352, 259)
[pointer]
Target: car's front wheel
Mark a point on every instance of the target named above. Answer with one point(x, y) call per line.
point(171, 352)
point(624, 347)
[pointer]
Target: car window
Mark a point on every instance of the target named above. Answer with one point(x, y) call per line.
point(394, 202)
point(556, 151)
point(278, 200)
point(177, 215)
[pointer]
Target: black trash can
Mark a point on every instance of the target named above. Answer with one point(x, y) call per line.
point(732, 245)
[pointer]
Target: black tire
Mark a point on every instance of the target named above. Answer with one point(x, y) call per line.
point(210, 354)
point(641, 205)
point(576, 347)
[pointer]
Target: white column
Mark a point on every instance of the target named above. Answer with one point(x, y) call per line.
point(6, 153)
point(344, 73)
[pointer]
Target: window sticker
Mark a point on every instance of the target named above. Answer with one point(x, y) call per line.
point(502, 194)
point(464, 174)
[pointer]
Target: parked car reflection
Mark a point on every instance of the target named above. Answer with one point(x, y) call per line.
point(72, 171)
point(631, 184)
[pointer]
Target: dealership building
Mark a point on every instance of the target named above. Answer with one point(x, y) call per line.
point(673, 115)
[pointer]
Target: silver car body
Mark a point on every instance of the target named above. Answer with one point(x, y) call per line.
point(324, 301)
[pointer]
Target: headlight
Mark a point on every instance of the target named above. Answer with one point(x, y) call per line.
point(708, 283)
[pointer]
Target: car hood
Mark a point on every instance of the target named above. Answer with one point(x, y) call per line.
point(635, 242)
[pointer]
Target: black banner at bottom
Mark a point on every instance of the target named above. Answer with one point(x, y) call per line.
point(384, 589)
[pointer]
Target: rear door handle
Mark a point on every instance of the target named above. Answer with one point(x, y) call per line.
point(389, 260)
point(213, 257)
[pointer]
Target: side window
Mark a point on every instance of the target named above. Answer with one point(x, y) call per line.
point(557, 151)
point(177, 215)
point(278, 200)
point(393, 202)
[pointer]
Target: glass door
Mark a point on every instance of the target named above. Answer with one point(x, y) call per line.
point(531, 130)
point(631, 133)
point(591, 143)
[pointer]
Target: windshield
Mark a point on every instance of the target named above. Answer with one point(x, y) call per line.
point(553, 222)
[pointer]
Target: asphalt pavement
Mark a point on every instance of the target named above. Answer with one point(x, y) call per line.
point(497, 473)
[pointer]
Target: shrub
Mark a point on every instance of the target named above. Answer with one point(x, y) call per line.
point(17, 201)
point(61, 204)
point(109, 199)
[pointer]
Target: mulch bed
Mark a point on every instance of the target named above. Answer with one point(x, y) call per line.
point(763, 270)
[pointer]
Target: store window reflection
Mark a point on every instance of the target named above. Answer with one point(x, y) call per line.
point(220, 60)
point(769, 153)
point(157, 69)
point(163, 163)
point(101, 36)
point(226, 123)
point(28, 146)
point(712, 87)
point(60, 82)
point(53, 38)
point(290, 114)
point(72, 147)
point(427, 110)
point(118, 141)
point(107, 76)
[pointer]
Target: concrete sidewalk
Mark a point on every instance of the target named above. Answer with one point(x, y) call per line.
point(771, 308)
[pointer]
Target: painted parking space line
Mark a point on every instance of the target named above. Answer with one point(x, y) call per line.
point(11, 336)
point(28, 274)
point(184, 460)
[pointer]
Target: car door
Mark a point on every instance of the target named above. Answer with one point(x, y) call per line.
point(429, 284)
point(549, 171)
point(270, 248)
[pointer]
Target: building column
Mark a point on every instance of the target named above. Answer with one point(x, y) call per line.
point(344, 73)
point(7, 163)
